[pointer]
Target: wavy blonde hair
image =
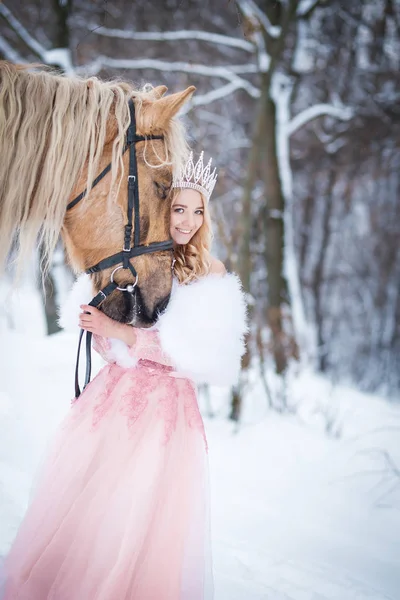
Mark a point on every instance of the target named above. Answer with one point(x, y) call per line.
point(50, 127)
point(193, 260)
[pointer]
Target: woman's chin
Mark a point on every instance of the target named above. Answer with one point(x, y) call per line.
point(182, 239)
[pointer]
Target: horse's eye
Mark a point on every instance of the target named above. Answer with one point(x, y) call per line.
point(162, 189)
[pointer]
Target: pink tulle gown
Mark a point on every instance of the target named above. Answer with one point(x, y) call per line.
point(120, 509)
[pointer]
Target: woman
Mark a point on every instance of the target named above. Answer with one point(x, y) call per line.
point(120, 511)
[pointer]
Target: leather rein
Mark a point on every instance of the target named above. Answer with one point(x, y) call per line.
point(122, 258)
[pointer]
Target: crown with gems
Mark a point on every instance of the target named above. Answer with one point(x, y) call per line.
point(197, 176)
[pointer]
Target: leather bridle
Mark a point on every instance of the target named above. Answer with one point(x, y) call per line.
point(122, 258)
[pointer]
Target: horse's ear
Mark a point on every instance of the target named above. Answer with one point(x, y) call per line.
point(167, 107)
point(159, 91)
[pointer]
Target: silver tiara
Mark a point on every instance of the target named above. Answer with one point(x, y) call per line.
point(197, 176)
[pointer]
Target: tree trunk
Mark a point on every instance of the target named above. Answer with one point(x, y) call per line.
point(264, 140)
point(62, 11)
point(48, 292)
point(319, 270)
point(272, 214)
point(236, 401)
point(245, 254)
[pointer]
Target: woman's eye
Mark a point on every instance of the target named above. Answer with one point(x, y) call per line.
point(199, 212)
point(178, 210)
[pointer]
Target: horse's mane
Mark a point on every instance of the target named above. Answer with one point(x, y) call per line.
point(50, 125)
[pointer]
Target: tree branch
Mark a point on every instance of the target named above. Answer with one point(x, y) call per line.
point(54, 56)
point(318, 110)
point(306, 8)
point(229, 74)
point(217, 94)
point(259, 31)
point(356, 21)
point(9, 53)
point(249, 9)
point(20, 30)
point(162, 36)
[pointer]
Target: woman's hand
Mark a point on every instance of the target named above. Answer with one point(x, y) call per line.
point(97, 322)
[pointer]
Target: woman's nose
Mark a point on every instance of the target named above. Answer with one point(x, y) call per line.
point(189, 221)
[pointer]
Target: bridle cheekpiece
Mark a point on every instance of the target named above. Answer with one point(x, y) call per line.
point(129, 250)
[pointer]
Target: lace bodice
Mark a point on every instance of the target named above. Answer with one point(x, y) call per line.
point(146, 347)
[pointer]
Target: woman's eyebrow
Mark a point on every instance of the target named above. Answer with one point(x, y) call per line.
point(184, 206)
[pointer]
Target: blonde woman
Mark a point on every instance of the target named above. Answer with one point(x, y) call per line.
point(121, 508)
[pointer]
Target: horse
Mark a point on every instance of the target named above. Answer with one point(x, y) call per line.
point(57, 133)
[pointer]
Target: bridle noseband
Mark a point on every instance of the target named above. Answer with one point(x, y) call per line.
point(122, 258)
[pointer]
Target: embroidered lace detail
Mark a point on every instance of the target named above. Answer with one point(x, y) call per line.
point(168, 408)
point(136, 398)
point(148, 347)
point(144, 382)
point(106, 398)
point(102, 346)
point(134, 406)
point(149, 383)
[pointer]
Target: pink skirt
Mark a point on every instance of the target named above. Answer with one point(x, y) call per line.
point(120, 509)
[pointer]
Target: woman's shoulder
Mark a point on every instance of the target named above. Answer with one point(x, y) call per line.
point(217, 267)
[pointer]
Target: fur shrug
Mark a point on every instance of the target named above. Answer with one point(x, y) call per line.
point(202, 329)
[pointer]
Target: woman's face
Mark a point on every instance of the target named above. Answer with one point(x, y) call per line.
point(187, 215)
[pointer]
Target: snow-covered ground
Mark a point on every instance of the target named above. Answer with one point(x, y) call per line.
point(296, 514)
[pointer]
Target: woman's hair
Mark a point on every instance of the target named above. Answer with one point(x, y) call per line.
point(193, 260)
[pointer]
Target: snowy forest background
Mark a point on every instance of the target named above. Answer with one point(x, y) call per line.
point(298, 103)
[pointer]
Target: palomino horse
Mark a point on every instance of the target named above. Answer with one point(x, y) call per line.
point(56, 135)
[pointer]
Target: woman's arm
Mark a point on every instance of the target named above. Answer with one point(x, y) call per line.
point(95, 321)
point(139, 343)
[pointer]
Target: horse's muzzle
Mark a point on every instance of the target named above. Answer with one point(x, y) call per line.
point(126, 307)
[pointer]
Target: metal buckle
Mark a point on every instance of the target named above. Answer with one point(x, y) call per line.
point(130, 287)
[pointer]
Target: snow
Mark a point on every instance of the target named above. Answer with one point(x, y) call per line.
point(296, 514)
point(229, 73)
point(303, 56)
point(281, 92)
point(61, 57)
point(305, 6)
point(264, 61)
point(221, 92)
point(344, 113)
point(181, 34)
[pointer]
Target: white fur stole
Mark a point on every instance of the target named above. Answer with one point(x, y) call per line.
point(202, 330)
